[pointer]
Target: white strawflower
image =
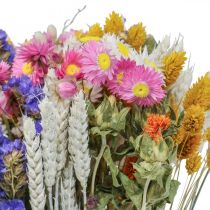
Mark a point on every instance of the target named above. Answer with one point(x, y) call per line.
point(78, 141)
point(182, 84)
point(117, 47)
point(68, 192)
point(34, 166)
point(49, 143)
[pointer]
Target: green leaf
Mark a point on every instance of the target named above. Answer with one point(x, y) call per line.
point(114, 170)
point(133, 191)
point(118, 120)
point(153, 151)
point(173, 190)
point(104, 200)
point(136, 142)
point(148, 170)
point(181, 116)
point(150, 43)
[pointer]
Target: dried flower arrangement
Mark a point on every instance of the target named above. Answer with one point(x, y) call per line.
point(100, 119)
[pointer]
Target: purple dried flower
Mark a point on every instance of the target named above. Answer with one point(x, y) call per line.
point(92, 202)
point(12, 205)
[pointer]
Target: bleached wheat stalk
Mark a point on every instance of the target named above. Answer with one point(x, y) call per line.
point(34, 166)
point(62, 107)
point(78, 141)
point(68, 192)
point(49, 144)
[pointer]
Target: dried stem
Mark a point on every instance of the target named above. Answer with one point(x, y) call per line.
point(73, 19)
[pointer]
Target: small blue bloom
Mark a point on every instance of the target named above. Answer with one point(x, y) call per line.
point(3, 35)
point(12, 205)
point(38, 126)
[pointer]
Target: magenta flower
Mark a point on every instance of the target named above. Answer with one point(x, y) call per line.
point(143, 86)
point(98, 64)
point(32, 59)
point(4, 72)
point(71, 66)
point(122, 67)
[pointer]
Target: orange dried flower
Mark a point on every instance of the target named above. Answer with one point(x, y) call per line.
point(193, 119)
point(193, 164)
point(128, 167)
point(180, 136)
point(155, 125)
point(189, 146)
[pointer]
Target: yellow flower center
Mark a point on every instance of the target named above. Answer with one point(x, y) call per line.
point(123, 49)
point(89, 38)
point(141, 90)
point(104, 61)
point(27, 69)
point(72, 69)
point(120, 77)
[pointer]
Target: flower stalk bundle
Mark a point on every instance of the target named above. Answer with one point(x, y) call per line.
point(102, 118)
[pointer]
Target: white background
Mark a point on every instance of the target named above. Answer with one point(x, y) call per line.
point(21, 18)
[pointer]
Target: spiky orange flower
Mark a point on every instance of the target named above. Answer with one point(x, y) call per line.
point(189, 146)
point(199, 94)
point(95, 30)
point(207, 134)
point(172, 66)
point(193, 164)
point(208, 158)
point(114, 24)
point(136, 36)
point(155, 125)
point(193, 119)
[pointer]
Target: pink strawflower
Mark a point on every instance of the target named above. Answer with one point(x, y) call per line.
point(71, 66)
point(67, 89)
point(98, 64)
point(20, 67)
point(37, 54)
point(122, 67)
point(4, 72)
point(143, 86)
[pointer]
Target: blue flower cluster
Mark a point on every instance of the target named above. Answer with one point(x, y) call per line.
point(32, 94)
point(7, 146)
point(6, 47)
point(12, 205)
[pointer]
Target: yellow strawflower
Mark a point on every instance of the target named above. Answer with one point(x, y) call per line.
point(193, 164)
point(193, 119)
point(189, 146)
point(199, 94)
point(208, 158)
point(95, 30)
point(114, 24)
point(172, 66)
point(207, 134)
point(136, 36)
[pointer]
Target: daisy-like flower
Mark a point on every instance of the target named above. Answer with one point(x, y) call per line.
point(20, 68)
point(33, 59)
point(155, 125)
point(122, 67)
point(98, 63)
point(4, 72)
point(71, 66)
point(117, 47)
point(142, 86)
